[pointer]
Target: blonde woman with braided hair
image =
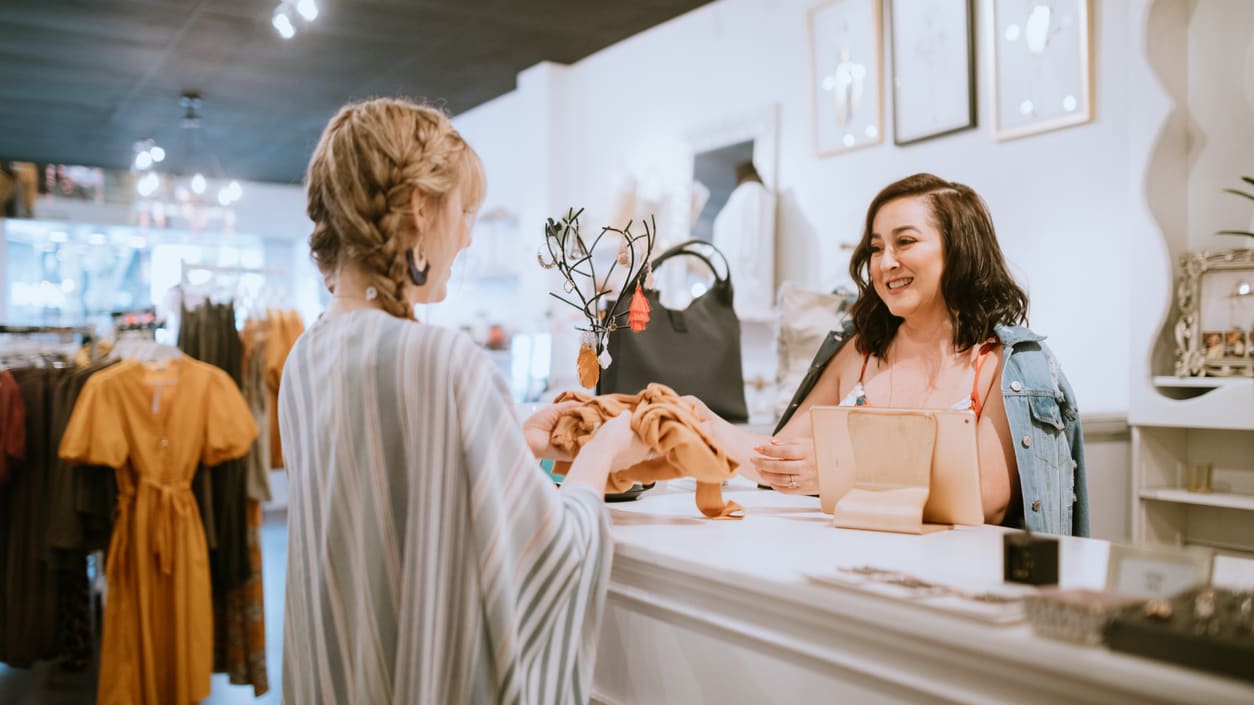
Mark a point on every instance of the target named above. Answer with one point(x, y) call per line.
point(430, 560)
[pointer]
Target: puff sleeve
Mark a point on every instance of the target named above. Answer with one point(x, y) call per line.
point(95, 435)
point(229, 426)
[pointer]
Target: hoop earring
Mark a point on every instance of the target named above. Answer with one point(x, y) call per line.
point(416, 275)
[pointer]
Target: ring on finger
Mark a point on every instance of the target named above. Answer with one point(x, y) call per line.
point(792, 482)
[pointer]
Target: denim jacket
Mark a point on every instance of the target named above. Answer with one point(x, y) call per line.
point(1044, 422)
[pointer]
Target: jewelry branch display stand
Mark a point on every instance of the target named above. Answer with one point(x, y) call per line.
point(566, 250)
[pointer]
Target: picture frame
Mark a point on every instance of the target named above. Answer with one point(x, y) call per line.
point(1042, 73)
point(1215, 299)
point(846, 74)
point(1157, 571)
point(933, 74)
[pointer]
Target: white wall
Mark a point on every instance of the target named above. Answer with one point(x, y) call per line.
point(1221, 101)
point(1192, 124)
point(1060, 200)
point(511, 135)
point(1107, 459)
point(273, 211)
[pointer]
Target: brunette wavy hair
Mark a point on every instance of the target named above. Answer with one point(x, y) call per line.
point(976, 283)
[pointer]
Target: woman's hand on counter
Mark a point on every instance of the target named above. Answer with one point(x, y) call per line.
point(538, 429)
point(787, 466)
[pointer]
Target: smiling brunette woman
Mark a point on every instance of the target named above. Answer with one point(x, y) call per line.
point(939, 324)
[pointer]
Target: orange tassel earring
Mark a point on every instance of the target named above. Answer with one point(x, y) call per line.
point(638, 313)
point(589, 370)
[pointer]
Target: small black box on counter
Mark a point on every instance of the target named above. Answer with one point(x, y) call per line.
point(1030, 559)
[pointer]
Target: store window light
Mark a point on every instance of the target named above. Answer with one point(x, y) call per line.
point(283, 22)
point(190, 187)
point(230, 193)
point(287, 11)
point(148, 184)
point(307, 9)
point(147, 153)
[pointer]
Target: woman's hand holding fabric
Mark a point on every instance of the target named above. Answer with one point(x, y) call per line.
point(618, 439)
point(538, 429)
point(614, 446)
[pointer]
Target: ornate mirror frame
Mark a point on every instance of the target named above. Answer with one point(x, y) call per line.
point(1192, 359)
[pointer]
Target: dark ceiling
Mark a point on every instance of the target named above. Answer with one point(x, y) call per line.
point(82, 80)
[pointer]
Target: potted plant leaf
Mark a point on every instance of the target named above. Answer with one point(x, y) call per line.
point(1245, 194)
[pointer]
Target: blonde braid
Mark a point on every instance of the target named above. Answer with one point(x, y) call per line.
point(371, 158)
point(324, 244)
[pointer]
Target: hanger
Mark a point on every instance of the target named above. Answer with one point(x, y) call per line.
point(140, 345)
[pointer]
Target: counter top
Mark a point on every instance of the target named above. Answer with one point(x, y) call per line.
point(744, 583)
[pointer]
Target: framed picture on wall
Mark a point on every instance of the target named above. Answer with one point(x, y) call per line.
point(933, 49)
point(846, 74)
point(1042, 71)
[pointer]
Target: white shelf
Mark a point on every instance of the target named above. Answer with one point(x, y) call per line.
point(1194, 402)
point(1206, 499)
point(1168, 381)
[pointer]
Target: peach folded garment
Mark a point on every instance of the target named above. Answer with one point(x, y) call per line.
point(667, 425)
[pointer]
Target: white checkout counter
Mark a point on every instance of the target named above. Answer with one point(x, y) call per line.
point(722, 612)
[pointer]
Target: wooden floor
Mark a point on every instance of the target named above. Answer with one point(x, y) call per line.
point(48, 685)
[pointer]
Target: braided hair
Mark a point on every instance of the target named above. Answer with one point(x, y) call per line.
point(361, 178)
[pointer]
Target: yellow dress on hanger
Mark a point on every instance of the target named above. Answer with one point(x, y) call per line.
point(153, 426)
point(285, 326)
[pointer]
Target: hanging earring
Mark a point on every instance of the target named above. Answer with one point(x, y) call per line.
point(416, 275)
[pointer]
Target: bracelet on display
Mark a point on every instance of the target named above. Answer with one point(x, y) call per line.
point(1206, 611)
point(1077, 615)
point(1207, 628)
point(924, 587)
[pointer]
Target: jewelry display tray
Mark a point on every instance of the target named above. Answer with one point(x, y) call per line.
point(1184, 640)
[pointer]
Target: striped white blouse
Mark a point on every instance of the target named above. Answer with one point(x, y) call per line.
point(430, 560)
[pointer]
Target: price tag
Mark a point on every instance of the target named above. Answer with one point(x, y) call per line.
point(1157, 571)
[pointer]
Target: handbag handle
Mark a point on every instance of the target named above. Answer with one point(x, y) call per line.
point(687, 249)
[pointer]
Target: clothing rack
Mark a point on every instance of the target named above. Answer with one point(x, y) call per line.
point(85, 331)
point(144, 319)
